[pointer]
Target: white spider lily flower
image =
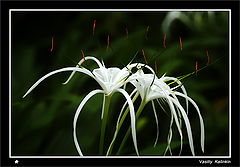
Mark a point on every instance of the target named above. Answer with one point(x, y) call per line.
point(145, 86)
point(150, 90)
point(110, 79)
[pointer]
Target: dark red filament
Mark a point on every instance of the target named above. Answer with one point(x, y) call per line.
point(208, 57)
point(94, 27)
point(180, 42)
point(164, 40)
point(83, 56)
point(52, 44)
point(196, 67)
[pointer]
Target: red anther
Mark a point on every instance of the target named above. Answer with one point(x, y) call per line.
point(52, 44)
point(94, 26)
point(164, 40)
point(126, 30)
point(208, 61)
point(155, 66)
point(180, 42)
point(196, 67)
point(83, 56)
point(145, 58)
point(146, 34)
point(108, 42)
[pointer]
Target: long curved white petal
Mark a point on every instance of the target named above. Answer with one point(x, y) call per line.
point(200, 118)
point(155, 115)
point(132, 116)
point(124, 105)
point(182, 87)
point(162, 107)
point(169, 139)
point(187, 123)
point(82, 61)
point(173, 111)
point(57, 71)
point(118, 121)
point(180, 120)
point(92, 93)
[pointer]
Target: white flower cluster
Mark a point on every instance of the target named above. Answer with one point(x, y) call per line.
point(147, 85)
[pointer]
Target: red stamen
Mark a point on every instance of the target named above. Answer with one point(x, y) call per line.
point(208, 61)
point(83, 56)
point(164, 40)
point(196, 67)
point(126, 32)
point(180, 42)
point(94, 26)
point(145, 58)
point(146, 34)
point(155, 66)
point(108, 42)
point(52, 44)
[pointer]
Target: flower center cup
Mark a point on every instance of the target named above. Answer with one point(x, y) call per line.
point(110, 79)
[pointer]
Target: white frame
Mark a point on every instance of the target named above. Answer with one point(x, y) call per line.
point(108, 10)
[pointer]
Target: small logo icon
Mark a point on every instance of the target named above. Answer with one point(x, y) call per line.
point(16, 161)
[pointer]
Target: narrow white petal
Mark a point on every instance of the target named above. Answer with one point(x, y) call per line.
point(103, 64)
point(200, 118)
point(182, 87)
point(57, 71)
point(173, 111)
point(180, 123)
point(82, 61)
point(170, 136)
point(124, 105)
point(187, 123)
point(70, 77)
point(104, 98)
point(132, 116)
point(156, 93)
point(162, 107)
point(172, 108)
point(178, 111)
point(156, 118)
point(169, 139)
point(92, 93)
point(118, 121)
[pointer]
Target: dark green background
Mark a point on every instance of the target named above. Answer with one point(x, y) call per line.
point(42, 122)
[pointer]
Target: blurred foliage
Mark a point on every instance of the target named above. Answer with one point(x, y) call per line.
point(42, 122)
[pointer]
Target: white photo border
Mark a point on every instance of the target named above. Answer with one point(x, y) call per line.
point(120, 10)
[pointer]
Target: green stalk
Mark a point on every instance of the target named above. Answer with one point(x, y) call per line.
point(104, 123)
point(140, 109)
point(120, 123)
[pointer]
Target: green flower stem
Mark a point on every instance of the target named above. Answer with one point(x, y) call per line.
point(140, 109)
point(104, 123)
point(120, 123)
